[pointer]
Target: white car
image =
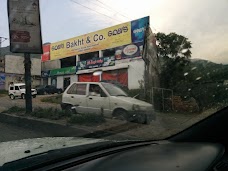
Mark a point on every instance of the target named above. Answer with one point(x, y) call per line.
point(105, 99)
point(18, 90)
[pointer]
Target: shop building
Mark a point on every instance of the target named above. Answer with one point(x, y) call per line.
point(116, 51)
point(13, 71)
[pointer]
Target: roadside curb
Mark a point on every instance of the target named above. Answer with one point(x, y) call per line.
point(50, 128)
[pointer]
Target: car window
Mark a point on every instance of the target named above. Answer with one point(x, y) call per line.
point(11, 88)
point(95, 90)
point(16, 88)
point(79, 89)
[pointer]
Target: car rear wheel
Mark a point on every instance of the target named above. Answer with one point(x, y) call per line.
point(34, 96)
point(68, 109)
point(45, 93)
point(142, 118)
point(12, 97)
point(23, 96)
point(59, 92)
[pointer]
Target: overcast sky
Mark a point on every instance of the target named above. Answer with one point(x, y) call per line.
point(204, 22)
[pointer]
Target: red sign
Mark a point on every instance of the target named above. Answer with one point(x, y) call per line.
point(20, 36)
point(46, 53)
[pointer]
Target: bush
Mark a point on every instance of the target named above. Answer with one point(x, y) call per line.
point(49, 113)
point(53, 99)
point(15, 109)
point(3, 92)
point(86, 119)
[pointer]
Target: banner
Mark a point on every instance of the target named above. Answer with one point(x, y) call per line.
point(46, 53)
point(111, 37)
point(24, 26)
point(129, 51)
point(63, 71)
point(96, 63)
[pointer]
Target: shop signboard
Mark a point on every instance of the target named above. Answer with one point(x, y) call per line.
point(129, 51)
point(96, 63)
point(63, 71)
point(2, 80)
point(119, 35)
point(46, 53)
point(45, 74)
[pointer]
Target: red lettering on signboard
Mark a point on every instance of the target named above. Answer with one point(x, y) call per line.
point(20, 36)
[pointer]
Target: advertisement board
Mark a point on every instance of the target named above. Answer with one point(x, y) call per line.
point(129, 51)
point(63, 71)
point(96, 63)
point(24, 26)
point(46, 53)
point(111, 37)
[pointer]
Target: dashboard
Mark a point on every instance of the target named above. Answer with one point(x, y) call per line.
point(160, 156)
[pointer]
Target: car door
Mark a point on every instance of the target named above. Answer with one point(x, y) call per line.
point(17, 91)
point(97, 100)
point(76, 95)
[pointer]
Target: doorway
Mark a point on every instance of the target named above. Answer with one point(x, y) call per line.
point(66, 82)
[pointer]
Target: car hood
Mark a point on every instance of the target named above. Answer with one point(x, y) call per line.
point(133, 101)
point(14, 150)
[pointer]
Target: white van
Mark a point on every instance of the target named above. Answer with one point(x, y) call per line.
point(18, 90)
point(105, 99)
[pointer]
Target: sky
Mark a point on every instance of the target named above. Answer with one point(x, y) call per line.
point(203, 22)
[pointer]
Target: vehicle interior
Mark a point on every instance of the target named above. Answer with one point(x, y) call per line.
point(201, 147)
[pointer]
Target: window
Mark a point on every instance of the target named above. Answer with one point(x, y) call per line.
point(16, 88)
point(79, 89)
point(11, 88)
point(95, 90)
point(87, 56)
point(109, 52)
point(68, 62)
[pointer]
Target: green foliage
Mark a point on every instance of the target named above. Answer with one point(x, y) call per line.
point(4, 92)
point(86, 119)
point(53, 99)
point(174, 53)
point(15, 109)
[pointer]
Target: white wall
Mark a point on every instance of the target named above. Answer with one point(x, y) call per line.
point(60, 82)
point(49, 65)
point(135, 73)
point(15, 65)
point(49, 81)
point(73, 78)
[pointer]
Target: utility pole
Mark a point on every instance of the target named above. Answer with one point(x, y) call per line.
point(28, 94)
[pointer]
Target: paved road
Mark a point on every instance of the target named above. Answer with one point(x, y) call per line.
point(12, 132)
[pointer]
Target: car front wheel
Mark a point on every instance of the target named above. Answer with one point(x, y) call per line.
point(12, 97)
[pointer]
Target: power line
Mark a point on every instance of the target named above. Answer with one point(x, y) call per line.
point(113, 9)
point(95, 11)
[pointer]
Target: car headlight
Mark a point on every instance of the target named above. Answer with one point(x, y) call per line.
point(135, 107)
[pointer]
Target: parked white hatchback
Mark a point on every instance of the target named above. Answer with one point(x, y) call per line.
point(105, 99)
point(18, 90)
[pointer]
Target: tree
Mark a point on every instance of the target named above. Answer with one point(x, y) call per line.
point(174, 53)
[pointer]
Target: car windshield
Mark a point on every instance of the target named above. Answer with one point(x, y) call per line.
point(113, 90)
point(108, 70)
point(22, 87)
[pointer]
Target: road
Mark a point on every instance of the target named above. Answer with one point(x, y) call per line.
point(13, 132)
